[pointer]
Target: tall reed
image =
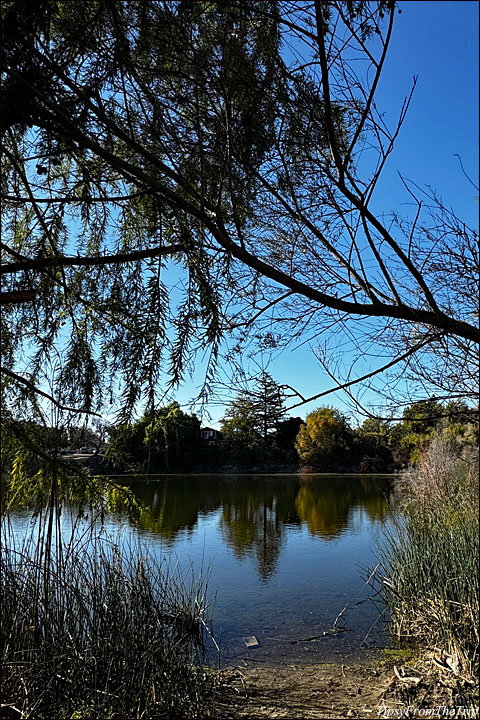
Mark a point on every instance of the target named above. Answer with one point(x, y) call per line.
point(93, 630)
point(430, 558)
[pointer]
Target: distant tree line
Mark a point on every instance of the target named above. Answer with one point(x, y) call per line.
point(255, 435)
point(326, 441)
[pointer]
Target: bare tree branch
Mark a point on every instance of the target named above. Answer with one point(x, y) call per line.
point(61, 261)
point(343, 386)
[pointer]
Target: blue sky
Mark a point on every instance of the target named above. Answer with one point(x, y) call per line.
point(438, 43)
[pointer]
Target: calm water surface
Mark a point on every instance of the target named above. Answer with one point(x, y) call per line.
point(284, 555)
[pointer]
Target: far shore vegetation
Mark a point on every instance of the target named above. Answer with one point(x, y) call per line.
point(255, 436)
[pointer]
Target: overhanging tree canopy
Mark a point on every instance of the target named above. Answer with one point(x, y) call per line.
point(225, 139)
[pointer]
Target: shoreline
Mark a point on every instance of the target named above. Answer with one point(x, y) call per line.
point(227, 473)
point(387, 688)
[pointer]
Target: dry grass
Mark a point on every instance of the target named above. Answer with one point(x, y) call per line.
point(430, 558)
point(445, 474)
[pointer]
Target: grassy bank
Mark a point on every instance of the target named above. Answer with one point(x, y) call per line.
point(430, 560)
point(89, 630)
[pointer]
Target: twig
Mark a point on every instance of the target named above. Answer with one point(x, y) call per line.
point(406, 678)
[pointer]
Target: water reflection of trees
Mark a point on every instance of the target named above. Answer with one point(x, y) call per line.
point(257, 511)
point(326, 504)
point(173, 506)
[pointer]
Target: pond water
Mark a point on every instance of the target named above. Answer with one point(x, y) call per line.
point(284, 554)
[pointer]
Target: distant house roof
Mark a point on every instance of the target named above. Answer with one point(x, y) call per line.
point(210, 435)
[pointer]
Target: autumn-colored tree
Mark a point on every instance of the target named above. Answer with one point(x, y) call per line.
point(324, 438)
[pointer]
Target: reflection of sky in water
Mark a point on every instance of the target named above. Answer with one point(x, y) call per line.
point(283, 556)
